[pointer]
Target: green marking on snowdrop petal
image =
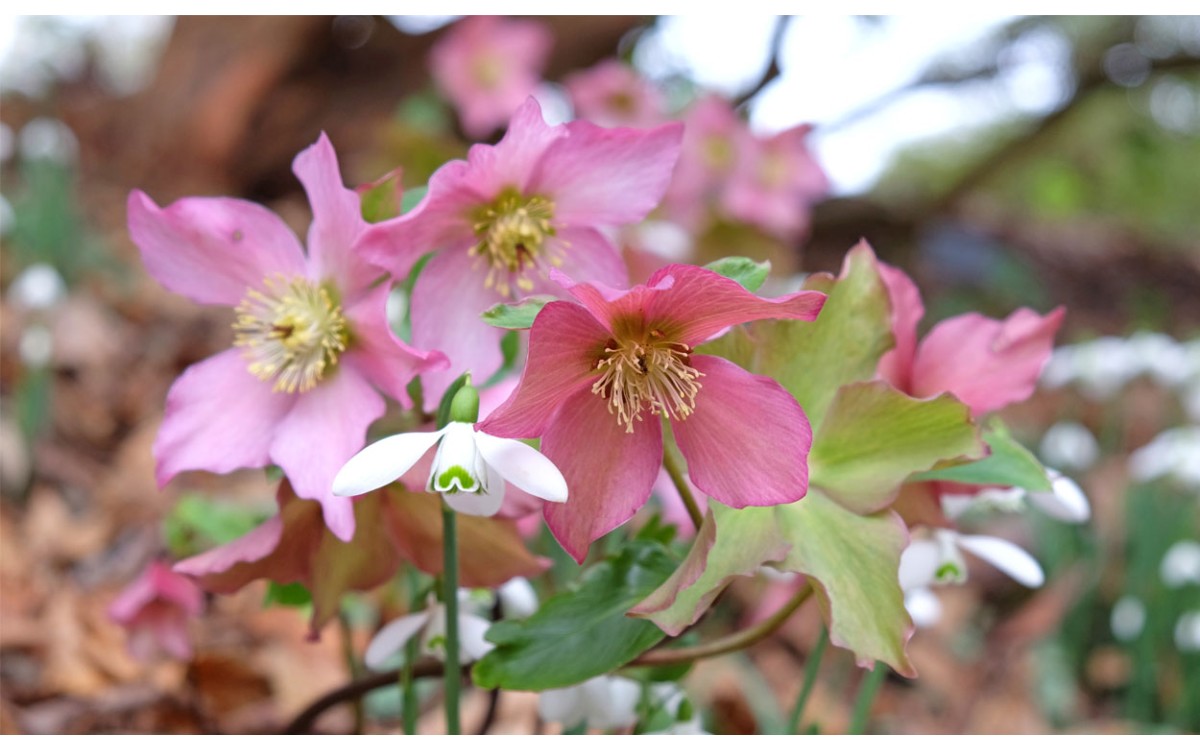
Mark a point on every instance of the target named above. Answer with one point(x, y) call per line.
point(456, 479)
point(949, 572)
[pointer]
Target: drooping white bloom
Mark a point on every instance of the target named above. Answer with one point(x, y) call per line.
point(469, 470)
point(38, 287)
point(603, 703)
point(1172, 453)
point(1187, 631)
point(674, 702)
point(1128, 618)
point(1064, 501)
point(1069, 445)
point(1181, 565)
point(939, 560)
point(517, 598)
point(923, 607)
point(430, 625)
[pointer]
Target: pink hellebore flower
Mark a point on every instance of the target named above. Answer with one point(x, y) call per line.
point(503, 218)
point(312, 341)
point(604, 369)
point(775, 182)
point(487, 66)
point(155, 609)
point(613, 94)
point(987, 364)
point(713, 135)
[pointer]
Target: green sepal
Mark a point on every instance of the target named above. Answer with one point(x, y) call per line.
point(750, 274)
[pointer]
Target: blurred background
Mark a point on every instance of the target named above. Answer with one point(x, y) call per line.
point(1002, 161)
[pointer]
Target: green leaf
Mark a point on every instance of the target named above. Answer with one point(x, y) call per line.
point(813, 359)
point(411, 198)
point(516, 316)
point(744, 271)
point(1009, 464)
point(287, 595)
point(198, 523)
point(874, 437)
point(581, 633)
point(380, 200)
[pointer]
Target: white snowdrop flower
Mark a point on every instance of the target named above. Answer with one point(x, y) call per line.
point(1181, 565)
point(603, 703)
point(939, 560)
point(48, 138)
point(1104, 366)
point(38, 287)
point(1187, 631)
point(517, 598)
point(1004, 499)
point(1160, 357)
point(1171, 453)
point(1065, 501)
point(469, 470)
point(1061, 368)
point(923, 607)
point(37, 346)
point(1128, 618)
point(430, 626)
point(1069, 445)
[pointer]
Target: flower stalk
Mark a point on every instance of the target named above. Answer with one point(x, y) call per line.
point(671, 462)
point(450, 601)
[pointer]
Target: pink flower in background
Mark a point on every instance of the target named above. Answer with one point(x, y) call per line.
point(712, 136)
point(775, 182)
point(312, 342)
point(487, 66)
point(155, 609)
point(604, 369)
point(987, 364)
point(503, 218)
point(613, 94)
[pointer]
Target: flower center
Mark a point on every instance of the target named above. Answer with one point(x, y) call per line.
point(512, 234)
point(654, 375)
point(292, 330)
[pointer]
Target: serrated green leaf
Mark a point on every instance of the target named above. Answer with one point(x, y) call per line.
point(516, 316)
point(813, 359)
point(1009, 464)
point(581, 633)
point(874, 437)
point(750, 274)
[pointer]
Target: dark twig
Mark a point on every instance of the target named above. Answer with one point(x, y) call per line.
point(772, 72)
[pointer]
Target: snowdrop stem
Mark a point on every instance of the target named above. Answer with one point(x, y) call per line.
point(810, 679)
point(410, 709)
point(671, 462)
point(450, 602)
point(730, 643)
point(353, 667)
point(866, 696)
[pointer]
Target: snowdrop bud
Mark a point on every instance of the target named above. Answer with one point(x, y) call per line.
point(1069, 445)
point(37, 346)
point(1128, 618)
point(1181, 564)
point(517, 598)
point(1065, 501)
point(47, 138)
point(464, 407)
point(1187, 632)
point(38, 287)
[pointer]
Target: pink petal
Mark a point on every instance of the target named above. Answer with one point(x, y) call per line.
point(212, 250)
point(601, 176)
point(609, 472)
point(701, 303)
point(218, 418)
point(896, 366)
point(337, 222)
point(322, 431)
point(986, 363)
point(389, 363)
point(214, 566)
point(446, 303)
point(747, 442)
point(564, 346)
point(513, 162)
point(587, 255)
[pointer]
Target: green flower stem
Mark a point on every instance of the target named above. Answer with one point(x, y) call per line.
point(672, 463)
point(810, 679)
point(866, 696)
point(730, 643)
point(408, 686)
point(352, 667)
point(450, 601)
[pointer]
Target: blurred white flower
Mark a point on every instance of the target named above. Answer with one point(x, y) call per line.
point(38, 287)
point(603, 703)
point(1187, 631)
point(1181, 564)
point(430, 625)
point(1069, 445)
point(1160, 357)
point(48, 138)
point(1065, 501)
point(1171, 453)
point(37, 346)
point(939, 560)
point(1128, 618)
point(517, 598)
point(923, 607)
point(1003, 499)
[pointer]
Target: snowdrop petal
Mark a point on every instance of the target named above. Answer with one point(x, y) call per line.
point(610, 702)
point(525, 467)
point(382, 462)
point(471, 642)
point(517, 598)
point(923, 607)
point(389, 640)
point(485, 503)
point(1065, 501)
point(1006, 556)
point(918, 564)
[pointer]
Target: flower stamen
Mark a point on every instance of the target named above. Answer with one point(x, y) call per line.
point(512, 233)
point(292, 331)
point(654, 376)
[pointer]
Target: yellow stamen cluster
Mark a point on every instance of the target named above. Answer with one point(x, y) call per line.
point(292, 330)
point(512, 233)
point(649, 374)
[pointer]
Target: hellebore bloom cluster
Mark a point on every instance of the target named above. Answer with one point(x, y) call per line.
point(155, 609)
point(312, 344)
point(501, 220)
point(613, 94)
point(602, 371)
